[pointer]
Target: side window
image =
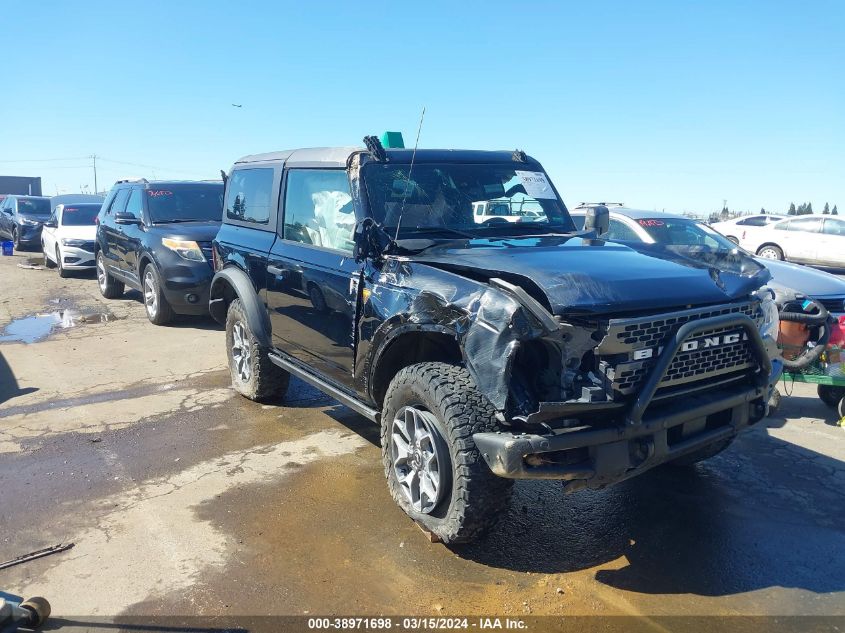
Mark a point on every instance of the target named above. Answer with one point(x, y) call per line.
point(834, 227)
point(135, 203)
point(756, 221)
point(119, 202)
point(809, 225)
point(54, 217)
point(621, 231)
point(579, 221)
point(249, 194)
point(318, 208)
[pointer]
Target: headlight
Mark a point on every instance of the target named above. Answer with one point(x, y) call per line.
point(771, 319)
point(185, 249)
point(73, 243)
point(29, 222)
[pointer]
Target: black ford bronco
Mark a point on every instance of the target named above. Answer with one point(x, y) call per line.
point(488, 351)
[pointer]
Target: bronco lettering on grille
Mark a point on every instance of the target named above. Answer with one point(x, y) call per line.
point(706, 342)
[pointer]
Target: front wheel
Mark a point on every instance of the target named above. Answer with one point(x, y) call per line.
point(62, 272)
point(49, 263)
point(770, 251)
point(253, 373)
point(159, 310)
point(433, 468)
point(16, 239)
point(733, 239)
point(830, 395)
point(110, 287)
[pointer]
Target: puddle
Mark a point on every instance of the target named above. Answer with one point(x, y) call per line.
point(32, 329)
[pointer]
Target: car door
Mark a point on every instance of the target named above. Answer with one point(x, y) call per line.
point(6, 218)
point(831, 243)
point(312, 283)
point(798, 238)
point(132, 235)
point(113, 243)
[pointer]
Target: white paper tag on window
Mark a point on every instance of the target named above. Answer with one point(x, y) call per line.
point(536, 185)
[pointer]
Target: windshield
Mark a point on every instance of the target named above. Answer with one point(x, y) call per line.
point(681, 232)
point(186, 203)
point(80, 214)
point(34, 206)
point(475, 199)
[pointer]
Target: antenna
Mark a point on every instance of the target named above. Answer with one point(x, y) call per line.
point(410, 171)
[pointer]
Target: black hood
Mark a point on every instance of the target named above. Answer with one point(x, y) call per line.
point(194, 231)
point(582, 276)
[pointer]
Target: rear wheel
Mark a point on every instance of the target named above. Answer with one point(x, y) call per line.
point(253, 373)
point(770, 251)
point(830, 395)
point(159, 310)
point(433, 468)
point(733, 239)
point(110, 287)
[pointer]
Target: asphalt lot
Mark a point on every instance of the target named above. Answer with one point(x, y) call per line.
point(182, 498)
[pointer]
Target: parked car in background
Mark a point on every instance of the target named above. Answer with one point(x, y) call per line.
point(507, 210)
point(69, 237)
point(22, 217)
point(156, 237)
point(651, 228)
point(739, 229)
point(75, 198)
point(818, 240)
point(486, 352)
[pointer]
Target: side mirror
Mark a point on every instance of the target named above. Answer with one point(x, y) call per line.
point(370, 240)
point(597, 219)
point(51, 224)
point(126, 218)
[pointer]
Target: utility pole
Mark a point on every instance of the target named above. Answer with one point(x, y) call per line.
point(94, 158)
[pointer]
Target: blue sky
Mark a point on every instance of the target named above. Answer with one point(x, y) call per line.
point(666, 105)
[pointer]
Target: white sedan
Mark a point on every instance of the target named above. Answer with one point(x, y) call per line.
point(813, 239)
point(69, 237)
point(741, 229)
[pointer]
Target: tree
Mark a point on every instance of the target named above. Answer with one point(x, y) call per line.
point(808, 209)
point(725, 214)
point(826, 210)
point(792, 210)
point(835, 211)
point(762, 211)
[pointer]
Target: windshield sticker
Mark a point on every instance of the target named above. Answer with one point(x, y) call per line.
point(536, 185)
point(155, 193)
point(651, 222)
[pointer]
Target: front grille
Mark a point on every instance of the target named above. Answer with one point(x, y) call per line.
point(205, 247)
point(836, 305)
point(716, 352)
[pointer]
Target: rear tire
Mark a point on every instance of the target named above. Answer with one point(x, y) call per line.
point(159, 311)
point(706, 452)
point(733, 239)
point(770, 251)
point(254, 375)
point(468, 499)
point(110, 287)
point(830, 395)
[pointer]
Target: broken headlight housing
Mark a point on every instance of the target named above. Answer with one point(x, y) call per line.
point(771, 319)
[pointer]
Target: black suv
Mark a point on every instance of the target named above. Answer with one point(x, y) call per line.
point(156, 237)
point(22, 218)
point(487, 349)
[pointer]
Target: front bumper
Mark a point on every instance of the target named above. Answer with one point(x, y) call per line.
point(186, 286)
point(29, 234)
point(651, 433)
point(74, 258)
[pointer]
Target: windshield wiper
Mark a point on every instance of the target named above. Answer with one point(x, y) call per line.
point(442, 230)
point(177, 221)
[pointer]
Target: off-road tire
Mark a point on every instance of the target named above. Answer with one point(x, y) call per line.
point(830, 395)
point(477, 499)
point(267, 382)
point(777, 251)
point(110, 288)
point(151, 282)
point(706, 452)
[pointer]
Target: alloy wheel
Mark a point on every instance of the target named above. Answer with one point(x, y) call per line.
point(150, 294)
point(418, 460)
point(102, 279)
point(241, 351)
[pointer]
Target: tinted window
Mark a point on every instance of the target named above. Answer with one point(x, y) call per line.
point(34, 206)
point(249, 195)
point(834, 227)
point(683, 232)
point(621, 231)
point(198, 202)
point(760, 220)
point(318, 208)
point(80, 214)
point(119, 202)
point(135, 205)
point(579, 221)
point(810, 225)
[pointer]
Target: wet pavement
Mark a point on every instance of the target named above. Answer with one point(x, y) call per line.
point(184, 499)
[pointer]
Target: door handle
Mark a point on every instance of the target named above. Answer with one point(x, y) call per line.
point(278, 272)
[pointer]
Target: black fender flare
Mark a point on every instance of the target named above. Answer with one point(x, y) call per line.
point(240, 285)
